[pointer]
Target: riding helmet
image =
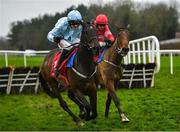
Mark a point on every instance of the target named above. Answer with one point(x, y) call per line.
point(74, 16)
point(101, 19)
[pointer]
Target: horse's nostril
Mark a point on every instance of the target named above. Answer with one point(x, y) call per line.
point(127, 49)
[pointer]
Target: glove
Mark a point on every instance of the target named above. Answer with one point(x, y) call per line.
point(108, 42)
point(57, 39)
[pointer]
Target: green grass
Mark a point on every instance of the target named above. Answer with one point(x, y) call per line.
point(148, 109)
point(18, 61)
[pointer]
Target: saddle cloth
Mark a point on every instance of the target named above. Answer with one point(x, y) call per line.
point(63, 67)
point(98, 58)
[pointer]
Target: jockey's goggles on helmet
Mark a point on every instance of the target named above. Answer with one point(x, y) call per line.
point(74, 22)
point(101, 25)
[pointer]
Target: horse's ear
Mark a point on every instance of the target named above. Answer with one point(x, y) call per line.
point(92, 21)
point(128, 26)
point(117, 26)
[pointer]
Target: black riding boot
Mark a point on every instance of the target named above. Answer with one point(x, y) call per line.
point(60, 60)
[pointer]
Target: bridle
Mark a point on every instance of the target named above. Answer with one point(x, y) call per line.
point(120, 51)
point(86, 44)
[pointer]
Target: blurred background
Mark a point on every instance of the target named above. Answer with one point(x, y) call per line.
point(24, 24)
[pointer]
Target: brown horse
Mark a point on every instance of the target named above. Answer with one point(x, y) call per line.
point(80, 78)
point(110, 71)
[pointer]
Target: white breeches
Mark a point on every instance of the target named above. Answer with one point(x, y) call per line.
point(66, 45)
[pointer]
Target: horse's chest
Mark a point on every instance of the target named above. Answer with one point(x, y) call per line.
point(117, 75)
point(112, 72)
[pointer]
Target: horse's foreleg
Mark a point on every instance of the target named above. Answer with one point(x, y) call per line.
point(82, 113)
point(111, 90)
point(86, 104)
point(63, 104)
point(108, 103)
point(93, 103)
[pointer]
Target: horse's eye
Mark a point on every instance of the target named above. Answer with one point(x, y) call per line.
point(121, 29)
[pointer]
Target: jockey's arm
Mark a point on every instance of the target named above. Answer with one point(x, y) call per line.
point(56, 34)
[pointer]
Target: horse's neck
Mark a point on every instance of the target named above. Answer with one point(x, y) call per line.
point(84, 60)
point(112, 55)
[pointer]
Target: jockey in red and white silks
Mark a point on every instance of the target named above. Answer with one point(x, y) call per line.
point(105, 36)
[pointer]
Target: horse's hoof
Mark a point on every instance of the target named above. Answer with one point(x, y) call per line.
point(80, 123)
point(82, 115)
point(93, 116)
point(88, 118)
point(124, 118)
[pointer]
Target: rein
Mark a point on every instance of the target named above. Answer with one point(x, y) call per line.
point(86, 44)
point(120, 51)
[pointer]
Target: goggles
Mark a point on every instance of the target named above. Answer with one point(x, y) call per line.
point(74, 22)
point(101, 25)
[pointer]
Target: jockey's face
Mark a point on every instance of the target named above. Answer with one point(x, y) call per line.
point(101, 27)
point(74, 24)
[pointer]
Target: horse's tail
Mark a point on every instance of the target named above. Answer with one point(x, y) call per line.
point(45, 86)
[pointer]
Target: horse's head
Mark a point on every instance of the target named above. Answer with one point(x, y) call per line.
point(122, 41)
point(89, 36)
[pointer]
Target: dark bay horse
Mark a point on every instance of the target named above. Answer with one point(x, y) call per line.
point(110, 71)
point(80, 78)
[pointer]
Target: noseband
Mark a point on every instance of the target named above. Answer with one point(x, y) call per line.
point(122, 51)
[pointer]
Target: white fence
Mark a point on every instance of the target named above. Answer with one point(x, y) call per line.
point(147, 50)
point(22, 53)
point(144, 50)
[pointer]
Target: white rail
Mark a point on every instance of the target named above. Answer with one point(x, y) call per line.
point(24, 53)
point(144, 50)
point(170, 53)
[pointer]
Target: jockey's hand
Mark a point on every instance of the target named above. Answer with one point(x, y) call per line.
point(57, 39)
point(108, 42)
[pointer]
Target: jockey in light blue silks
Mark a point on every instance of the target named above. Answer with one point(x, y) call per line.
point(66, 32)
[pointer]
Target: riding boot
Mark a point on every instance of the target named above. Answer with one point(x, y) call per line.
point(60, 60)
